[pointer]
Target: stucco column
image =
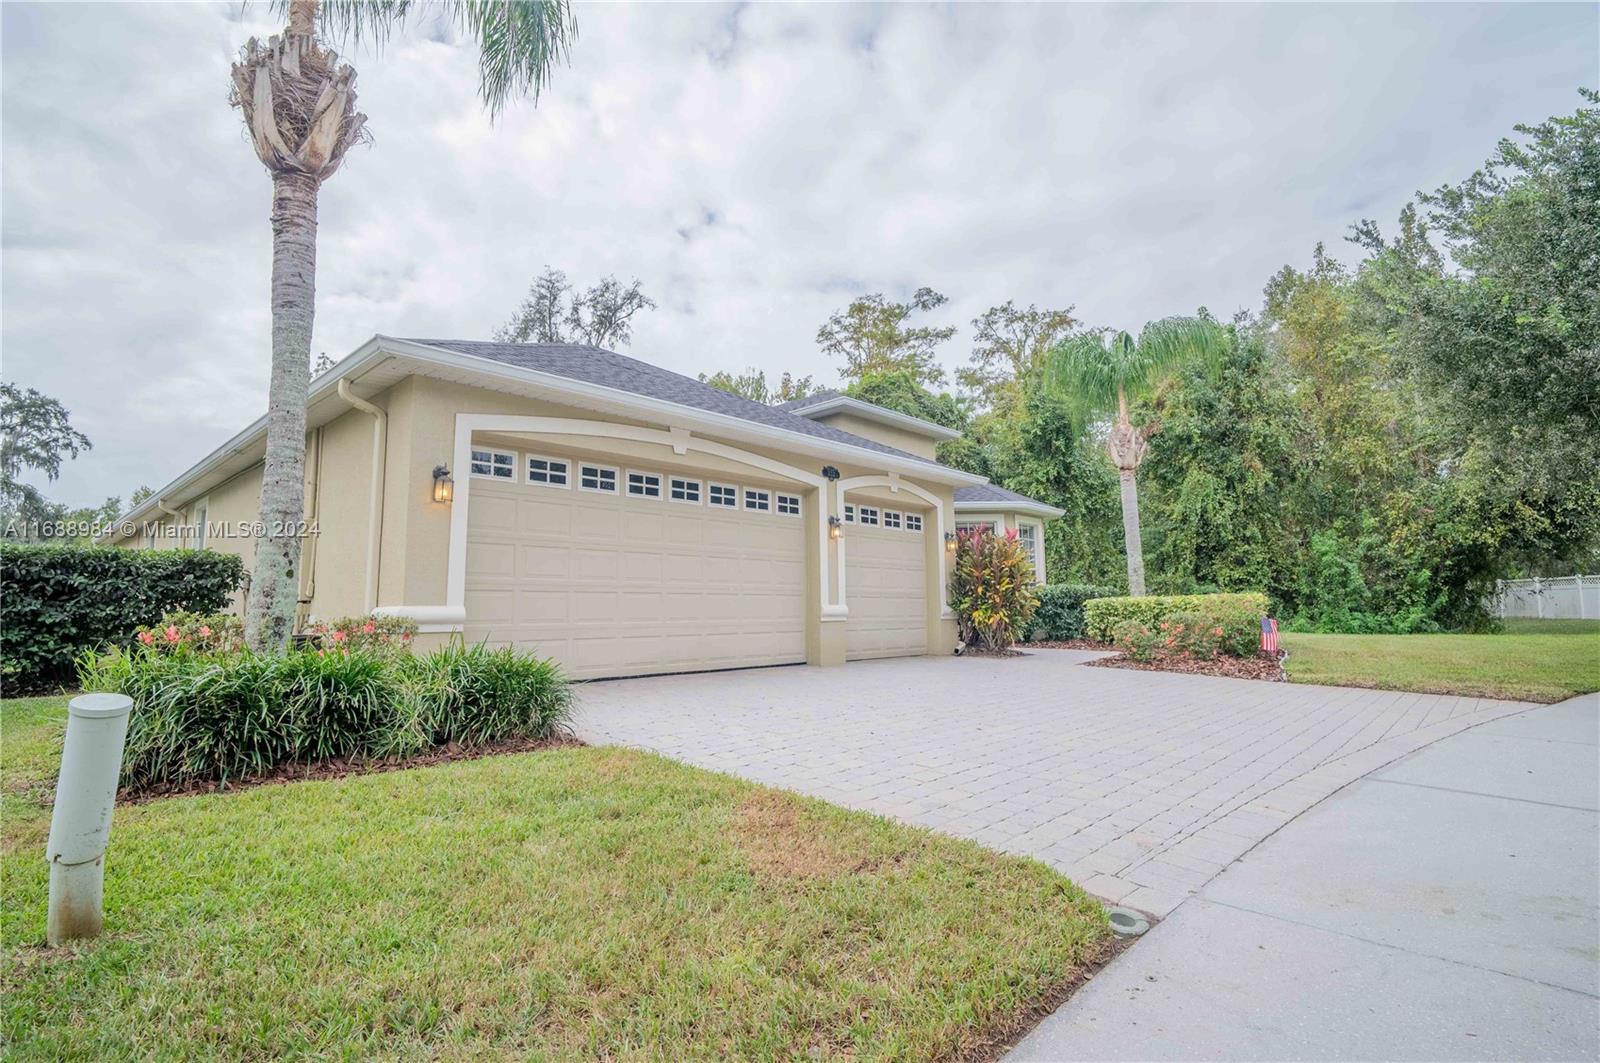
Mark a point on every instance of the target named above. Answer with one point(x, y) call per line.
point(831, 614)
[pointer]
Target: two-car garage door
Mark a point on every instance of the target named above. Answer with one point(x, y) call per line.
point(611, 585)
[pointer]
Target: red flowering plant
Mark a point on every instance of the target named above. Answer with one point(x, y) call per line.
point(378, 634)
point(991, 589)
point(185, 632)
point(1139, 641)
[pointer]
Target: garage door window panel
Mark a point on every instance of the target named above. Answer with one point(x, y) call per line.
point(725, 496)
point(914, 522)
point(868, 515)
point(549, 472)
point(685, 491)
point(757, 500)
point(644, 485)
point(891, 519)
point(599, 478)
point(494, 464)
point(789, 505)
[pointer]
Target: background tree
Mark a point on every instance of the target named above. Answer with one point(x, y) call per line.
point(35, 433)
point(299, 106)
point(1099, 376)
point(871, 336)
point(752, 385)
point(555, 312)
point(1010, 346)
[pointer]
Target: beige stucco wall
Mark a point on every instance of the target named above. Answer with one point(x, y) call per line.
point(910, 442)
point(333, 560)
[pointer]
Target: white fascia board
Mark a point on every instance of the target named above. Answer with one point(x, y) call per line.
point(846, 404)
point(1028, 506)
point(662, 411)
point(379, 347)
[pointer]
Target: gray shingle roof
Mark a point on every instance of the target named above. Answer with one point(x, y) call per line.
point(992, 493)
point(595, 365)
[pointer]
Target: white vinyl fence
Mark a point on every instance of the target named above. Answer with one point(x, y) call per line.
point(1562, 598)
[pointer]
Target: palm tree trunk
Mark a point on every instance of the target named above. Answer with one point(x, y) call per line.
point(274, 585)
point(1130, 531)
point(1126, 445)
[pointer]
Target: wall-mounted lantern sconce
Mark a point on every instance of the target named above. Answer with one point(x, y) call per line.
point(830, 473)
point(949, 540)
point(835, 528)
point(444, 488)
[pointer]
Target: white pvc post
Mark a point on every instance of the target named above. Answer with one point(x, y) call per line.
point(80, 825)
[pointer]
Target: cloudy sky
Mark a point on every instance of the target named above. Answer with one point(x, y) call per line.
point(755, 166)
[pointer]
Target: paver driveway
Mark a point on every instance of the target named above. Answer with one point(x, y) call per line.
point(1140, 785)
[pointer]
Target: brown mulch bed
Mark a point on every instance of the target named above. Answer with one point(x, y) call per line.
point(1263, 668)
point(346, 767)
point(979, 651)
point(1071, 644)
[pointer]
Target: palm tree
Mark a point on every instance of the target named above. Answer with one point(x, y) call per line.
point(299, 106)
point(1099, 375)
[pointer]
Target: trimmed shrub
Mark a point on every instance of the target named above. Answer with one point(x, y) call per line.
point(992, 589)
point(1060, 613)
point(1136, 640)
point(1239, 616)
point(58, 601)
point(1192, 634)
point(223, 717)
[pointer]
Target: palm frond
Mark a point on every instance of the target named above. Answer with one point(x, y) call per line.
point(520, 41)
point(1089, 371)
point(1164, 345)
point(1084, 372)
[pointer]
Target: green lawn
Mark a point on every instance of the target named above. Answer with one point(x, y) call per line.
point(571, 903)
point(1535, 660)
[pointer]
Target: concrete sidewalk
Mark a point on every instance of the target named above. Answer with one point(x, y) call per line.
point(1444, 907)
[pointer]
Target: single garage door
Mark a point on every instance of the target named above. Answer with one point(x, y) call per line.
point(610, 583)
point(885, 587)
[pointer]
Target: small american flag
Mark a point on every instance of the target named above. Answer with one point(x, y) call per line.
point(1269, 635)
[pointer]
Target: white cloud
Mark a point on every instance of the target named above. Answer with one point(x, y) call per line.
point(755, 166)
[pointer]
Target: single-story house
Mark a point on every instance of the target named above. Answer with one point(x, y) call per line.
point(619, 517)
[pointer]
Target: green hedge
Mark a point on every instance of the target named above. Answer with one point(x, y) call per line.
point(1239, 615)
point(58, 601)
point(1060, 613)
point(224, 717)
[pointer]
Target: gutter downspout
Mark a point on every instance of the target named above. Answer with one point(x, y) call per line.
point(308, 557)
point(177, 521)
point(380, 432)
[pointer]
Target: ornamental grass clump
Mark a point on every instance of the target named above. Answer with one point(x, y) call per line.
point(208, 710)
point(221, 717)
point(473, 695)
point(992, 589)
